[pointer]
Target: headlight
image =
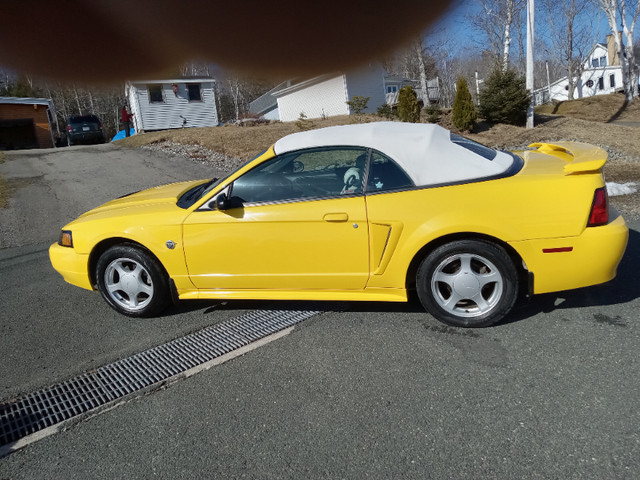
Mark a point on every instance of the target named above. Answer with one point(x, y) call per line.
point(66, 239)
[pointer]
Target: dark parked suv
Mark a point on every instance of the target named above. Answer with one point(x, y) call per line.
point(84, 129)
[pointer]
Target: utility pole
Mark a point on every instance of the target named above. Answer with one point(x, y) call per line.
point(530, 37)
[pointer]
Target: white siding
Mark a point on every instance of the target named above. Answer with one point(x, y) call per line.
point(589, 83)
point(324, 98)
point(272, 115)
point(598, 53)
point(175, 111)
point(367, 82)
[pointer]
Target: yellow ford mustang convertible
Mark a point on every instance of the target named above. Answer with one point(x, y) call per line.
point(359, 212)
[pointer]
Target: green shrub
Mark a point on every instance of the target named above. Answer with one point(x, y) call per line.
point(358, 105)
point(433, 113)
point(408, 108)
point(385, 111)
point(505, 98)
point(303, 123)
point(463, 113)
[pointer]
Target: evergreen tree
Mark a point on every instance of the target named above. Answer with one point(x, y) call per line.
point(463, 112)
point(408, 108)
point(505, 98)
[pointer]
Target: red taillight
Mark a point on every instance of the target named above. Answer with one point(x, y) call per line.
point(600, 208)
point(69, 129)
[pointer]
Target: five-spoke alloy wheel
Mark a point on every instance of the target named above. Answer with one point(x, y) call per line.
point(468, 283)
point(131, 281)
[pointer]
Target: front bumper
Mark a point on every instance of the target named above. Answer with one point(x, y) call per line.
point(73, 267)
point(593, 259)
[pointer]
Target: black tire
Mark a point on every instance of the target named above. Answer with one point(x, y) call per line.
point(145, 291)
point(468, 283)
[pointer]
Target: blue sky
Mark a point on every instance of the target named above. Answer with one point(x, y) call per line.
point(457, 27)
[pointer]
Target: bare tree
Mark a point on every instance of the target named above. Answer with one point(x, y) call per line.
point(234, 92)
point(628, 64)
point(570, 36)
point(497, 24)
point(73, 100)
point(415, 63)
point(422, 70)
point(195, 69)
point(236, 95)
point(627, 31)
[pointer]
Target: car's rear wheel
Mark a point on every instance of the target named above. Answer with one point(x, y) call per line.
point(468, 283)
point(132, 282)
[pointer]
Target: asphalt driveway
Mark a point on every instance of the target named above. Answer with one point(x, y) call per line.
point(367, 391)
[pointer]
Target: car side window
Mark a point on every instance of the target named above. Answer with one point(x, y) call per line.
point(385, 175)
point(306, 174)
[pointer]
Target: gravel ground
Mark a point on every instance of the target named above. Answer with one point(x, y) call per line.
point(198, 154)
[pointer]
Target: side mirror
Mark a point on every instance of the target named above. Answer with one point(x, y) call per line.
point(227, 203)
point(298, 166)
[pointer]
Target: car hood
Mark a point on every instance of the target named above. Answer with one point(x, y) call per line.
point(157, 196)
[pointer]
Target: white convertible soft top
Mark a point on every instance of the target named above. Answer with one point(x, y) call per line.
point(425, 151)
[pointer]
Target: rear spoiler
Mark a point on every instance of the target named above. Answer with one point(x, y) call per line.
point(580, 157)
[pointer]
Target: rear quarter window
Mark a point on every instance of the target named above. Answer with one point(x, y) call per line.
point(475, 147)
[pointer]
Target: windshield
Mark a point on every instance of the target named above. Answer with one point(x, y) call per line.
point(196, 193)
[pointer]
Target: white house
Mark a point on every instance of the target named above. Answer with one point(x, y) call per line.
point(172, 103)
point(266, 105)
point(393, 85)
point(326, 95)
point(602, 74)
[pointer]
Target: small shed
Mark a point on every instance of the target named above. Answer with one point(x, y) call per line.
point(172, 103)
point(26, 123)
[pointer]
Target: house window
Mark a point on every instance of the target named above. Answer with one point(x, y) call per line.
point(195, 94)
point(601, 83)
point(155, 94)
point(612, 81)
point(392, 88)
point(589, 83)
point(595, 63)
point(603, 61)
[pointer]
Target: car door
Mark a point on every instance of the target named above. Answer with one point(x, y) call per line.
point(388, 210)
point(297, 221)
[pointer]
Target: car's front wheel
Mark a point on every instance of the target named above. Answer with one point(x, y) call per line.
point(132, 282)
point(468, 283)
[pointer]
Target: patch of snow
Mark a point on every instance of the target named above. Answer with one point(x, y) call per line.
point(614, 189)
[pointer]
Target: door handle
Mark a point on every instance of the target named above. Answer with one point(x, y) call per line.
point(335, 217)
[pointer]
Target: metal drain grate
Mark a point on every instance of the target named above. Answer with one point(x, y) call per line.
point(63, 401)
